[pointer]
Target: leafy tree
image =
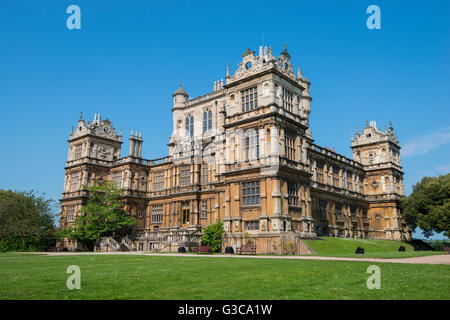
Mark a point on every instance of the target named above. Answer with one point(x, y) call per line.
point(26, 221)
point(212, 236)
point(428, 206)
point(101, 216)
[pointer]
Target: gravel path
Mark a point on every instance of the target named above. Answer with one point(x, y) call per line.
point(433, 259)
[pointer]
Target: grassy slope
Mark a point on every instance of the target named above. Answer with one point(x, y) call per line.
point(339, 247)
point(153, 277)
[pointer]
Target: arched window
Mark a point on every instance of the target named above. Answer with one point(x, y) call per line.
point(189, 125)
point(207, 120)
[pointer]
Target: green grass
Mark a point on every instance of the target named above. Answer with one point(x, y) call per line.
point(164, 277)
point(339, 247)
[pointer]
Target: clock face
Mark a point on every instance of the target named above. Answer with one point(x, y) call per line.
point(368, 135)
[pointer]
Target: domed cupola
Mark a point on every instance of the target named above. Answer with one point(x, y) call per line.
point(179, 97)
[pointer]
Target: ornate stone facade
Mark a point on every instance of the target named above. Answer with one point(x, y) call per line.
point(244, 154)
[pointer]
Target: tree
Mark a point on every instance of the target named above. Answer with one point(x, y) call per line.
point(428, 206)
point(26, 221)
point(212, 236)
point(101, 216)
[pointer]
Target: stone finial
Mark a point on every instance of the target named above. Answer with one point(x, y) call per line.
point(228, 70)
point(248, 52)
point(71, 131)
point(81, 116)
point(285, 53)
point(299, 73)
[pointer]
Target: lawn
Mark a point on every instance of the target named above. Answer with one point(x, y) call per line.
point(340, 247)
point(164, 277)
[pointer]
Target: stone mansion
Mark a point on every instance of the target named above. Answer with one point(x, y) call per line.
point(243, 153)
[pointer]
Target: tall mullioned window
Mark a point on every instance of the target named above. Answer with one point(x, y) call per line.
point(117, 178)
point(335, 176)
point(250, 143)
point(157, 213)
point(338, 209)
point(75, 185)
point(287, 100)
point(250, 193)
point(185, 175)
point(349, 180)
point(185, 211)
point(319, 172)
point(352, 210)
point(293, 194)
point(207, 120)
point(322, 209)
point(70, 213)
point(77, 152)
point(204, 209)
point(158, 180)
point(204, 173)
point(249, 99)
point(189, 125)
point(289, 145)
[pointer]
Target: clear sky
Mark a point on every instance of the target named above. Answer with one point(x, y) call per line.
point(129, 57)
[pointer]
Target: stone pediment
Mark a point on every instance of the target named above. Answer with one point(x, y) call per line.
point(371, 134)
point(97, 127)
point(252, 64)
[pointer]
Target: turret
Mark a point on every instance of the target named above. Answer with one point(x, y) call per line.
point(179, 97)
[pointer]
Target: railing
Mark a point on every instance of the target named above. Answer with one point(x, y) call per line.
point(127, 243)
point(160, 160)
point(336, 156)
point(205, 97)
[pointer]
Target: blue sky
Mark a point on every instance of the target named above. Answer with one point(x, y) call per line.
point(129, 57)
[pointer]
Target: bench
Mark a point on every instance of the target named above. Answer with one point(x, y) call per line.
point(446, 248)
point(202, 249)
point(248, 249)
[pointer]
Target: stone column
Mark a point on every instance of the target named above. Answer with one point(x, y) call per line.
point(276, 196)
point(262, 142)
point(274, 145)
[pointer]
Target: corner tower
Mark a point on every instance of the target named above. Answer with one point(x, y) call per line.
point(93, 147)
point(379, 153)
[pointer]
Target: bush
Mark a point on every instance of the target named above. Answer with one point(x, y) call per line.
point(212, 236)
